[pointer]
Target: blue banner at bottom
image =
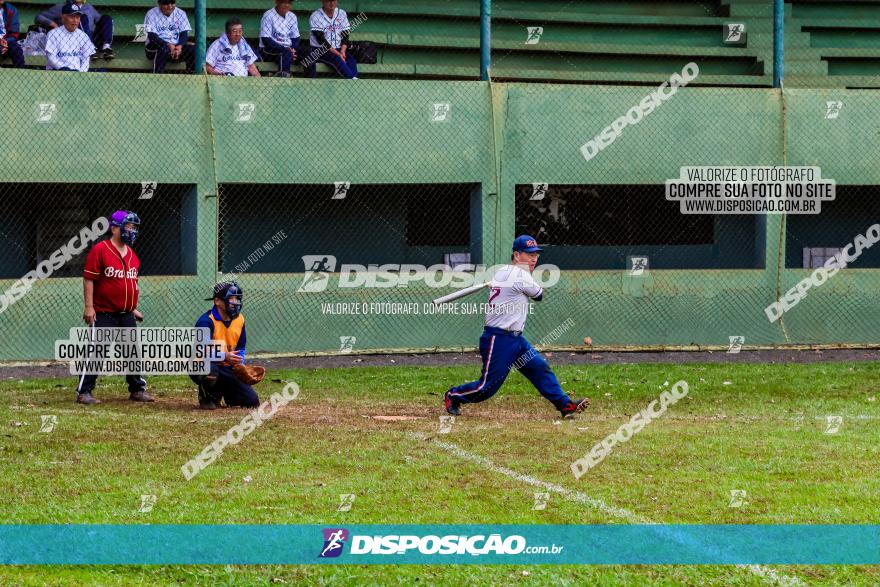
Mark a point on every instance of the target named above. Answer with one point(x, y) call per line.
point(439, 544)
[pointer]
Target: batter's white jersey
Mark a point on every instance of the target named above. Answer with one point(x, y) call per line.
point(167, 27)
point(68, 49)
point(332, 27)
point(230, 59)
point(281, 30)
point(512, 289)
point(2, 26)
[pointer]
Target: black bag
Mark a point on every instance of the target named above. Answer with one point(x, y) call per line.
point(364, 51)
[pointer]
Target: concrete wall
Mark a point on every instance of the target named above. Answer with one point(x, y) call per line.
point(125, 128)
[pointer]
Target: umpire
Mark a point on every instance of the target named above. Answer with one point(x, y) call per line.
point(226, 323)
point(110, 293)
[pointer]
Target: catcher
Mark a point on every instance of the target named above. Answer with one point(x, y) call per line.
point(230, 380)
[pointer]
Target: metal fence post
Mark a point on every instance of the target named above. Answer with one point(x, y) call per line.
point(485, 38)
point(778, 42)
point(201, 35)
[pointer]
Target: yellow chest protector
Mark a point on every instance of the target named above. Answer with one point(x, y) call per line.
point(228, 335)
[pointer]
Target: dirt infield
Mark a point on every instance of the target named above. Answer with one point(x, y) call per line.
point(43, 370)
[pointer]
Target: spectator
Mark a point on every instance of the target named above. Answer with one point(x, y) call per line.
point(231, 54)
point(9, 32)
point(226, 324)
point(280, 41)
point(98, 27)
point(330, 30)
point(167, 29)
point(68, 47)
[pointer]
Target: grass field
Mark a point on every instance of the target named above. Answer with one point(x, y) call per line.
point(757, 428)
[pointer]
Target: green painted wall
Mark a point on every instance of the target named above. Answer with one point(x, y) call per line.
point(133, 128)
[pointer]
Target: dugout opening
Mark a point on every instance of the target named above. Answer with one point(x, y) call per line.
point(360, 224)
point(601, 226)
point(811, 239)
point(39, 218)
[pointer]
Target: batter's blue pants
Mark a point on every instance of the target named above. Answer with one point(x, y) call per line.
point(501, 350)
point(14, 52)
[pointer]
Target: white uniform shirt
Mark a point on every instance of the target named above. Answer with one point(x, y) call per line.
point(332, 27)
point(66, 49)
point(281, 30)
point(512, 288)
point(2, 26)
point(226, 58)
point(167, 27)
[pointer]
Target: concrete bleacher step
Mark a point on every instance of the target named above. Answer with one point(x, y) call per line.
point(587, 40)
point(839, 11)
point(832, 81)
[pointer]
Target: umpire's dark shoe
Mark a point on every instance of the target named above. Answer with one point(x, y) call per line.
point(207, 404)
point(141, 396)
point(86, 398)
point(575, 405)
point(451, 405)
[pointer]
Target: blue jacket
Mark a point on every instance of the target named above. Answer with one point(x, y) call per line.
point(10, 17)
point(90, 17)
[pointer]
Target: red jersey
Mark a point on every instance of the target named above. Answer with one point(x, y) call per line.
point(115, 277)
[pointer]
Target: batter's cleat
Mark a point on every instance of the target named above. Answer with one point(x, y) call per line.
point(141, 396)
point(86, 398)
point(451, 405)
point(574, 406)
point(207, 404)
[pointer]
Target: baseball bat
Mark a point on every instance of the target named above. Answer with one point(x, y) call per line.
point(461, 293)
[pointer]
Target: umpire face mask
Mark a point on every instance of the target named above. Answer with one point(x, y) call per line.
point(128, 233)
point(233, 306)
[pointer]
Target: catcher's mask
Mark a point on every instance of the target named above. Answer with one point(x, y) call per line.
point(124, 219)
point(226, 291)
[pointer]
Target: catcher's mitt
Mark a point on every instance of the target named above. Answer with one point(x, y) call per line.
point(248, 374)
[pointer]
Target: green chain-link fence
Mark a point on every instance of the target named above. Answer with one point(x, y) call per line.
point(296, 187)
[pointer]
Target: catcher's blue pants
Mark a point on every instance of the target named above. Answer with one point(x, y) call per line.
point(235, 393)
point(501, 350)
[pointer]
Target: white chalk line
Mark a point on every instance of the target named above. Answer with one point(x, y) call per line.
point(762, 571)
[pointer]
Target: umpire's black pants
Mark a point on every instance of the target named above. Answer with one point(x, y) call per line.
point(110, 320)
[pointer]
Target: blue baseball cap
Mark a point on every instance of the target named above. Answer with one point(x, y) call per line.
point(526, 244)
point(71, 8)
